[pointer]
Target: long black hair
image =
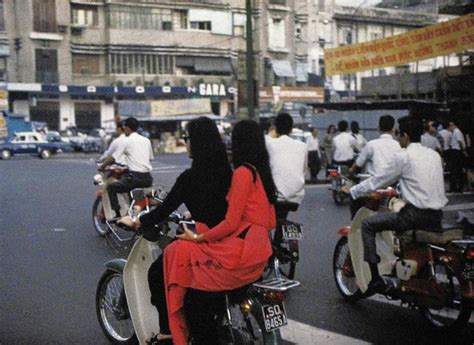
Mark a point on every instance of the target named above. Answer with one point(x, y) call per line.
point(207, 150)
point(248, 146)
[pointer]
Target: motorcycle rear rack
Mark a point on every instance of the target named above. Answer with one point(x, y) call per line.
point(278, 284)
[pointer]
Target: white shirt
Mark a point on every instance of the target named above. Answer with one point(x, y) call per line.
point(430, 141)
point(421, 178)
point(446, 135)
point(456, 139)
point(114, 146)
point(378, 153)
point(137, 152)
point(361, 141)
point(288, 161)
point(313, 144)
point(343, 147)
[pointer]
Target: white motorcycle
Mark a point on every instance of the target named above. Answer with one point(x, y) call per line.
point(252, 314)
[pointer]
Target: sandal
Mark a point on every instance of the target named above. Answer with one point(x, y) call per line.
point(163, 341)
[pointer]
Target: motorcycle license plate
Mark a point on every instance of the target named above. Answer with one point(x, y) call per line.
point(468, 271)
point(292, 231)
point(274, 316)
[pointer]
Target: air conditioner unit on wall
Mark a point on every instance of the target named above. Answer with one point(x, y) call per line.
point(76, 30)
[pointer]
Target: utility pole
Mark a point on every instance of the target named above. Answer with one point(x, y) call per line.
point(250, 62)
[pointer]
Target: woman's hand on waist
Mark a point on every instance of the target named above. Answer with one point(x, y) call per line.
point(188, 235)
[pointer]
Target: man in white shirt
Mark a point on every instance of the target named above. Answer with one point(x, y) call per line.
point(361, 141)
point(420, 173)
point(288, 161)
point(314, 156)
point(115, 145)
point(344, 145)
point(429, 140)
point(457, 159)
point(376, 155)
point(138, 154)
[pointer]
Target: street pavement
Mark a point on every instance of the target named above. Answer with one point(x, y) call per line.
point(52, 260)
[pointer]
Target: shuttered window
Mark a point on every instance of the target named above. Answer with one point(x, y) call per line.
point(44, 15)
point(85, 64)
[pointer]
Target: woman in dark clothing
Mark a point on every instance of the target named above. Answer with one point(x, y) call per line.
point(203, 189)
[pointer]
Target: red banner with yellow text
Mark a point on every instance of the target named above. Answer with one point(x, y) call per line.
point(440, 39)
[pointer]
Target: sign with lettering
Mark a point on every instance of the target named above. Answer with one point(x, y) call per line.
point(181, 107)
point(440, 39)
point(291, 94)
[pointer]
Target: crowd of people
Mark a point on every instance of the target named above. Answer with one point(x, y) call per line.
point(235, 204)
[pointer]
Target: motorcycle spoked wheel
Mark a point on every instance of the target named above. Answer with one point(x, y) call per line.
point(455, 315)
point(339, 197)
point(112, 310)
point(247, 330)
point(344, 275)
point(99, 222)
point(287, 269)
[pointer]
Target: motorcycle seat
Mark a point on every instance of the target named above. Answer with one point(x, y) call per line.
point(288, 205)
point(442, 236)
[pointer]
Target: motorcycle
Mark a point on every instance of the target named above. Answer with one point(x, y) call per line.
point(285, 238)
point(252, 314)
point(431, 271)
point(338, 176)
point(102, 212)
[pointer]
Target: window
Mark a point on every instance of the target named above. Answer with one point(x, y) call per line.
point(201, 26)
point(2, 18)
point(141, 64)
point(277, 33)
point(3, 68)
point(44, 15)
point(278, 2)
point(84, 15)
point(46, 62)
point(85, 64)
point(121, 17)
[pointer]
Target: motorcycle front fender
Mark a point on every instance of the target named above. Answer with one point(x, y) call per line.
point(116, 265)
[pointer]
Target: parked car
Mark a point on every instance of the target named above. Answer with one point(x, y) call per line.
point(64, 144)
point(28, 143)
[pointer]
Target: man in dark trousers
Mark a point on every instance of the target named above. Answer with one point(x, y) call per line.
point(420, 173)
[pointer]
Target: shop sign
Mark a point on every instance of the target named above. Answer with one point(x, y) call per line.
point(180, 107)
point(3, 127)
point(291, 94)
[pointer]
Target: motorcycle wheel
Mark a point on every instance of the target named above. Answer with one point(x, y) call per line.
point(286, 269)
point(99, 223)
point(455, 314)
point(112, 310)
point(344, 273)
point(338, 197)
point(249, 329)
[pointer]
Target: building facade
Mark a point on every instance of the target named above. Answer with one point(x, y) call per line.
point(71, 63)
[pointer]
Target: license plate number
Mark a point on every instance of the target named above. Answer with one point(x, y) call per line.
point(468, 271)
point(274, 316)
point(292, 231)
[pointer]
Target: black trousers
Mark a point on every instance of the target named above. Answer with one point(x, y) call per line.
point(456, 163)
point(346, 163)
point(409, 218)
point(126, 183)
point(314, 164)
point(356, 205)
point(156, 281)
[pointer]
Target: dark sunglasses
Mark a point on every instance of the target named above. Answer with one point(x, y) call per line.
point(185, 137)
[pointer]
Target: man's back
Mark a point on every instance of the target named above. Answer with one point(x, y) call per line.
point(138, 153)
point(288, 164)
point(378, 153)
point(343, 147)
point(430, 141)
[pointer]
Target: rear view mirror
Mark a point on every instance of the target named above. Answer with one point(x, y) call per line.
point(160, 194)
point(138, 194)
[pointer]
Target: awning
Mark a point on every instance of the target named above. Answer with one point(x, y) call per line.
point(282, 68)
point(180, 118)
point(302, 72)
point(205, 64)
point(221, 65)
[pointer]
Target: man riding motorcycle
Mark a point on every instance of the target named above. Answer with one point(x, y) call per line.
point(420, 173)
point(138, 153)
